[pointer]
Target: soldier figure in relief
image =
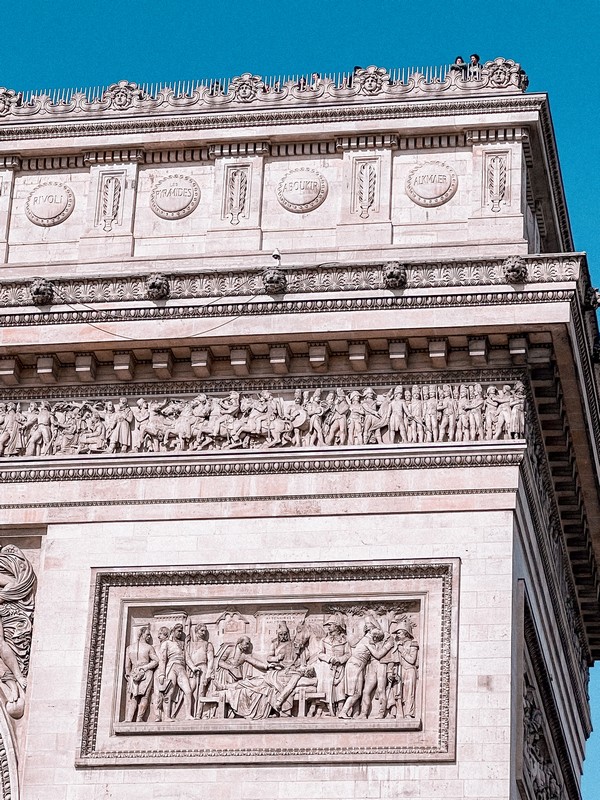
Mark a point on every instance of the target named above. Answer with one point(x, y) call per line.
point(172, 673)
point(201, 660)
point(356, 667)
point(140, 662)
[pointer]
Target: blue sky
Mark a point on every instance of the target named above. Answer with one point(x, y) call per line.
point(56, 44)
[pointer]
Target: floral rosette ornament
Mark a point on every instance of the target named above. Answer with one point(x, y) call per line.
point(245, 87)
point(370, 80)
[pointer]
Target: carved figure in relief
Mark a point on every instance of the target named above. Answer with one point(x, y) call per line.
point(140, 662)
point(158, 693)
point(201, 660)
point(356, 666)
point(17, 593)
point(331, 664)
point(408, 653)
point(415, 415)
point(172, 674)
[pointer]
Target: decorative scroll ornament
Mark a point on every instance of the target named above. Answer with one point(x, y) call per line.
point(496, 180)
point(175, 197)
point(50, 204)
point(367, 180)
point(41, 291)
point(237, 193)
point(122, 95)
point(515, 269)
point(302, 190)
point(395, 275)
point(246, 87)
point(17, 600)
point(157, 286)
point(416, 414)
point(274, 280)
point(431, 184)
point(111, 199)
point(499, 76)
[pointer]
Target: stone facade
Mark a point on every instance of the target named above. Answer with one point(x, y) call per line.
point(298, 429)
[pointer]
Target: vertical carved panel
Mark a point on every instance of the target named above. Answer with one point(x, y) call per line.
point(365, 187)
point(109, 209)
point(236, 193)
point(496, 181)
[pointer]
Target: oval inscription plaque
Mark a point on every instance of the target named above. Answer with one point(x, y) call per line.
point(432, 183)
point(175, 197)
point(49, 204)
point(302, 190)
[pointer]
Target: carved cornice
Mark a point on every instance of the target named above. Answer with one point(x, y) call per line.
point(256, 307)
point(340, 277)
point(241, 462)
point(361, 112)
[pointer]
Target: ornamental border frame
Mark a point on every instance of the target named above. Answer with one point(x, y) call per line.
point(446, 570)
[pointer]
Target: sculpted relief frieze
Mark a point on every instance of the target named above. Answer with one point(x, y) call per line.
point(412, 414)
point(292, 651)
point(321, 662)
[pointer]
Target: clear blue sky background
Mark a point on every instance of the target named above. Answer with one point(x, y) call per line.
point(58, 43)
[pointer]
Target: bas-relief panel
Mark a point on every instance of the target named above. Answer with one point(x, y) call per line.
point(300, 663)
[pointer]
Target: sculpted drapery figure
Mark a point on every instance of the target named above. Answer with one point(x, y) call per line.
point(17, 597)
point(401, 415)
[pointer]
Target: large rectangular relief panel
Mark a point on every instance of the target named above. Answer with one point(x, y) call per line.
point(307, 663)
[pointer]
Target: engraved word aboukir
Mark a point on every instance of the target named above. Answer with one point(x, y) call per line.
point(49, 204)
point(174, 197)
point(302, 190)
point(431, 184)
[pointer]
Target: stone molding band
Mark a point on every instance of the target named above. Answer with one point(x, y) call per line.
point(300, 280)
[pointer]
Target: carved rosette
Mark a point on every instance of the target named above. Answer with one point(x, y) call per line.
point(245, 87)
point(371, 80)
point(274, 280)
point(394, 275)
point(41, 291)
point(157, 286)
point(122, 95)
point(515, 269)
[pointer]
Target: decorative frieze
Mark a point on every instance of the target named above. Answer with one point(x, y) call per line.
point(367, 649)
point(335, 278)
point(412, 414)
